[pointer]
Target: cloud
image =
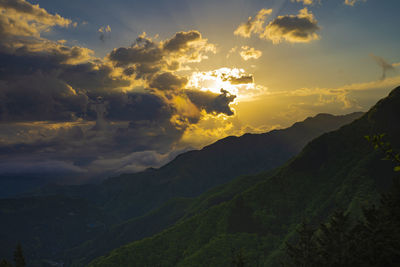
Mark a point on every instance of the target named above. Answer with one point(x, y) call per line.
point(19, 20)
point(168, 81)
point(66, 110)
point(211, 102)
point(253, 25)
point(104, 32)
point(144, 51)
point(133, 162)
point(41, 167)
point(40, 97)
point(347, 96)
point(386, 67)
point(250, 53)
point(146, 54)
point(305, 2)
point(352, 2)
point(310, 2)
point(301, 28)
point(236, 81)
point(231, 51)
point(181, 41)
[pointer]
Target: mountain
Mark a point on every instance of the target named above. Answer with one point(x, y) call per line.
point(339, 169)
point(174, 211)
point(144, 200)
point(194, 172)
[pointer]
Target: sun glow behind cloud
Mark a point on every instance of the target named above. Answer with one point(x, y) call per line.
point(234, 80)
point(124, 98)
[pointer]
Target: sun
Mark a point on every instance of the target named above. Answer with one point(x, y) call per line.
point(234, 80)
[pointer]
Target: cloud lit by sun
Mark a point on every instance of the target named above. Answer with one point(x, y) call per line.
point(233, 80)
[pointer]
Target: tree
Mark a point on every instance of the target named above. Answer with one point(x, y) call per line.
point(334, 241)
point(378, 143)
point(304, 253)
point(19, 257)
point(5, 263)
point(238, 259)
point(373, 241)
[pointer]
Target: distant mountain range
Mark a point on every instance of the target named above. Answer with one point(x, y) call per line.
point(255, 215)
point(82, 222)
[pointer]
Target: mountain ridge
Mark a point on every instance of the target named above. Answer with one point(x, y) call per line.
point(130, 196)
point(337, 169)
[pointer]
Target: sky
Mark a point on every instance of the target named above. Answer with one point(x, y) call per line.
point(95, 88)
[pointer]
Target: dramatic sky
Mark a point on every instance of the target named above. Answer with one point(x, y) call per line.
point(97, 87)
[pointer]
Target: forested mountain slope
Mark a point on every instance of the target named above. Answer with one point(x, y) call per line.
point(337, 169)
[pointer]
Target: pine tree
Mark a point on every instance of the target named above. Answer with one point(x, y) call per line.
point(19, 257)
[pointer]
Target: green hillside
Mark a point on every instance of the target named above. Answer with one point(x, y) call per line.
point(133, 206)
point(338, 169)
point(191, 173)
point(194, 172)
point(175, 210)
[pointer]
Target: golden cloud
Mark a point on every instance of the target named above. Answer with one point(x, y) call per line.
point(352, 2)
point(235, 81)
point(253, 25)
point(20, 18)
point(299, 28)
point(250, 53)
point(305, 2)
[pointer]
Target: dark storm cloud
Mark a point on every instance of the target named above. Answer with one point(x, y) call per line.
point(40, 97)
point(135, 107)
point(168, 81)
point(40, 87)
point(244, 79)
point(181, 40)
point(95, 79)
point(62, 103)
point(147, 57)
point(134, 122)
point(144, 51)
point(144, 70)
point(211, 102)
